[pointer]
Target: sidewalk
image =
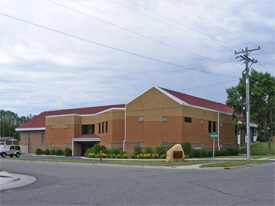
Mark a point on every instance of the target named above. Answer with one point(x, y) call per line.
point(11, 180)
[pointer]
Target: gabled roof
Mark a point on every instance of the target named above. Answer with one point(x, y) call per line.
point(38, 123)
point(199, 102)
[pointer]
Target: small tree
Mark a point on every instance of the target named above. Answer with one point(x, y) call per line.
point(137, 150)
point(187, 148)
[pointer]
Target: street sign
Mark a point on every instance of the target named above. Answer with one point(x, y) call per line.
point(214, 135)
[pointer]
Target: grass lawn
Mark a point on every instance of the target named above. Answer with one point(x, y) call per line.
point(145, 163)
point(260, 148)
point(233, 163)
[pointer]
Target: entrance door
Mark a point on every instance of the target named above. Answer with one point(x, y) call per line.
point(84, 147)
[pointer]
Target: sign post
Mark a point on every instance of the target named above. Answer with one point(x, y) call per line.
point(213, 135)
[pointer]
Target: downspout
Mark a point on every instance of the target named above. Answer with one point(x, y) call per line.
point(72, 147)
point(219, 131)
point(124, 130)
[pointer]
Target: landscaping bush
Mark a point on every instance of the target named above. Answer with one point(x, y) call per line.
point(262, 139)
point(137, 150)
point(53, 151)
point(133, 156)
point(221, 153)
point(39, 151)
point(122, 152)
point(155, 156)
point(47, 152)
point(148, 150)
point(187, 148)
point(115, 151)
point(242, 150)
point(67, 152)
point(58, 152)
point(197, 153)
point(163, 156)
point(232, 151)
point(161, 150)
point(125, 156)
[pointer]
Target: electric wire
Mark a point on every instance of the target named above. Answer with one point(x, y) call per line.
point(171, 25)
point(110, 47)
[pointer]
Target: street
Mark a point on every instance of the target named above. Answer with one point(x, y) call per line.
point(93, 184)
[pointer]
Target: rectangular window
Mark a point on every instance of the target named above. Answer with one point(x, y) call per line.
point(214, 126)
point(221, 124)
point(65, 126)
point(201, 121)
point(99, 128)
point(88, 129)
point(140, 144)
point(165, 119)
point(52, 126)
point(102, 127)
point(236, 130)
point(43, 136)
point(29, 138)
point(164, 144)
point(106, 126)
point(210, 126)
point(140, 119)
point(65, 145)
point(188, 119)
point(52, 144)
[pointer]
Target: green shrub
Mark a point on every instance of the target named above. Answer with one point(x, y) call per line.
point(232, 151)
point(58, 152)
point(161, 150)
point(155, 156)
point(108, 156)
point(262, 139)
point(133, 156)
point(137, 150)
point(148, 150)
point(197, 153)
point(52, 151)
point(67, 152)
point(39, 151)
point(242, 150)
point(115, 151)
point(47, 152)
point(187, 148)
point(122, 152)
point(186, 156)
point(221, 153)
point(163, 156)
point(113, 156)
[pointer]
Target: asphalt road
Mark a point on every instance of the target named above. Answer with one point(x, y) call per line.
point(93, 184)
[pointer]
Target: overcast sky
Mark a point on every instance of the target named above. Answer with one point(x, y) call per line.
point(63, 54)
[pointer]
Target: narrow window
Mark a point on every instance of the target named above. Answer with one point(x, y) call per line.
point(65, 126)
point(43, 137)
point(29, 138)
point(106, 126)
point(209, 126)
point(65, 145)
point(188, 119)
point(236, 130)
point(99, 128)
point(52, 144)
point(165, 119)
point(214, 126)
point(52, 126)
point(201, 121)
point(140, 119)
point(221, 124)
point(102, 127)
point(140, 144)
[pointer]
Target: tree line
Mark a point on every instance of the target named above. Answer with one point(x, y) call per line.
point(9, 121)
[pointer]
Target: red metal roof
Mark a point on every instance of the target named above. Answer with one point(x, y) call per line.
point(39, 121)
point(195, 101)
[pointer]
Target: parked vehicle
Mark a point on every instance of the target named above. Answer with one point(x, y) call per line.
point(11, 150)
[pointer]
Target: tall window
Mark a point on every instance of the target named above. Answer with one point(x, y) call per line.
point(214, 126)
point(236, 129)
point(102, 127)
point(88, 129)
point(29, 138)
point(106, 126)
point(43, 136)
point(210, 126)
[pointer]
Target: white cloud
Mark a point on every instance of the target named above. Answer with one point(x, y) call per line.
point(47, 70)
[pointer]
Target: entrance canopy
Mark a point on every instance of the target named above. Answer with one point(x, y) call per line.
point(84, 139)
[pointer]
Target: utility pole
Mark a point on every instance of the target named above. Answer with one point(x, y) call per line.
point(247, 60)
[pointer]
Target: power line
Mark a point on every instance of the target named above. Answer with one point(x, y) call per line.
point(211, 23)
point(113, 48)
point(181, 24)
point(170, 25)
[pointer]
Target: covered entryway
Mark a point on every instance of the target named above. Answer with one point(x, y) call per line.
point(81, 143)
